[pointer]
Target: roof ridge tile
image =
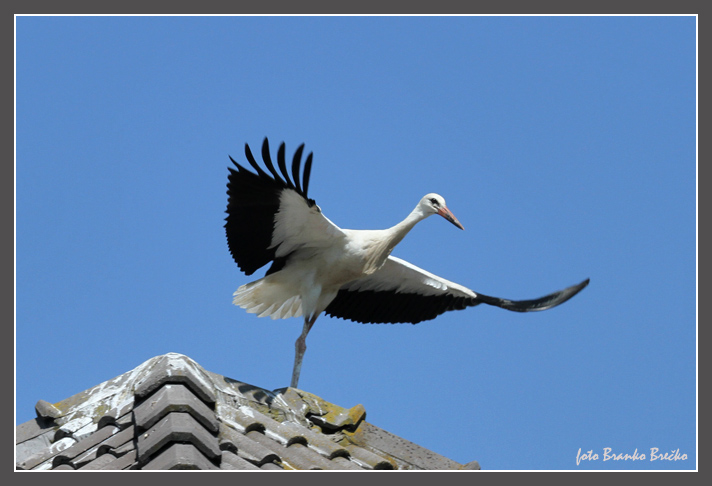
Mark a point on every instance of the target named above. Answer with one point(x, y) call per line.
point(176, 427)
point(176, 368)
point(173, 398)
point(180, 456)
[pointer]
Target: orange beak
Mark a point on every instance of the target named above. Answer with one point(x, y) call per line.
point(447, 214)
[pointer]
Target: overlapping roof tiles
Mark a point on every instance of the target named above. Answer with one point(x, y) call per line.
point(170, 413)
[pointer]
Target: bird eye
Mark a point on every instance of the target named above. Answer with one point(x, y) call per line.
point(434, 202)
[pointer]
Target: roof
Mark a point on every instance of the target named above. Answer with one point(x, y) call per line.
point(170, 413)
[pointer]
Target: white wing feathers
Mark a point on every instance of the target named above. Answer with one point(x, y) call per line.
point(399, 276)
point(296, 226)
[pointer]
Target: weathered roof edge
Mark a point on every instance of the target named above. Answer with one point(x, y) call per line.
point(81, 415)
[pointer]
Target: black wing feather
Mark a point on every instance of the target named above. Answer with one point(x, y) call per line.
point(253, 202)
point(268, 162)
point(283, 166)
point(252, 161)
point(378, 307)
point(296, 161)
point(540, 304)
point(307, 170)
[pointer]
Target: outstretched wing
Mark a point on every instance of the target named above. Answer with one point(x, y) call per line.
point(270, 215)
point(400, 292)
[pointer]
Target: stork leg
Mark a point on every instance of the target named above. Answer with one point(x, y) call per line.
point(300, 346)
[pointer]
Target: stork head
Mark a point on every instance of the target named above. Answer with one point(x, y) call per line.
point(435, 204)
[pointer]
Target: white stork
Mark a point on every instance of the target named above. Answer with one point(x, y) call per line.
point(318, 267)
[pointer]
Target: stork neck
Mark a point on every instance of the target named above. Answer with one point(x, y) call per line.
point(398, 232)
point(384, 241)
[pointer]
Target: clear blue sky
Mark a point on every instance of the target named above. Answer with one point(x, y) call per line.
point(566, 146)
